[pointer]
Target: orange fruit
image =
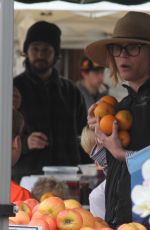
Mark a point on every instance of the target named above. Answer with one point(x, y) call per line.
point(102, 109)
point(125, 119)
point(124, 137)
point(106, 124)
point(110, 100)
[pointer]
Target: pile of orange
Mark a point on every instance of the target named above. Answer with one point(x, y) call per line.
point(105, 110)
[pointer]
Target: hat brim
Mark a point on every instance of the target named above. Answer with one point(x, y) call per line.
point(97, 51)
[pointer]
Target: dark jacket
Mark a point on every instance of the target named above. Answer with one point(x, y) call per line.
point(56, 108)
point(118, 201)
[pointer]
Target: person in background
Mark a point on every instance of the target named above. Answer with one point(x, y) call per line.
point(92, 86)
point(46, 186)
point(53, 107)
point(17, 192)
point(16, 98)
point(127, 53)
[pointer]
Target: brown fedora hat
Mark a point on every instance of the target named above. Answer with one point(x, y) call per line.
point(133, 27)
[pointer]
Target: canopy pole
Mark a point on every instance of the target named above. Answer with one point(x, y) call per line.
point(6, 58)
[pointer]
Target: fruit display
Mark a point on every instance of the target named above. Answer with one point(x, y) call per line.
point(105, 110)
point(53, 214)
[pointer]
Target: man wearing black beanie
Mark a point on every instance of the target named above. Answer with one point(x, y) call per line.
point(53, 107)
point(45, 32)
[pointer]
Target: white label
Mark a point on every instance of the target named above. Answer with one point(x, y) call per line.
point(21, 227)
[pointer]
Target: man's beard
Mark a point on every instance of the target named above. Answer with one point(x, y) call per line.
point(40, 66)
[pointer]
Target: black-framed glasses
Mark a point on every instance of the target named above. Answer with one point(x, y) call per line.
point(130, 49)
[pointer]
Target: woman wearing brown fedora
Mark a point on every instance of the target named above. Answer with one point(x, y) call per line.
point(127, 54)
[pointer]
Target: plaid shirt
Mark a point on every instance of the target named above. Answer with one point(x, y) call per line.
point(98, 154)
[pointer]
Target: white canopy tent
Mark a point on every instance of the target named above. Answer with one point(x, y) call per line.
point(80, 23)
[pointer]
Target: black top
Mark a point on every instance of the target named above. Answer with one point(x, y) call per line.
point(118, 201)
point(56, 108)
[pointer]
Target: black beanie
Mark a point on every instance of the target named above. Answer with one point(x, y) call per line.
point(44, 32)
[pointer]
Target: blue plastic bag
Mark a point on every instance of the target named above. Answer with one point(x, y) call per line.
point(135, 163)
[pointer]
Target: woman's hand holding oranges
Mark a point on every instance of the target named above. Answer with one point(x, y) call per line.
point(111, 128)
point(112, 143)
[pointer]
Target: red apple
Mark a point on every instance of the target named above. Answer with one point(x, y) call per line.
point(52, 205)
point(12, 222)
point(132, 226)
point(31, 202)
point(106, 228)
point(48, 218)
point(71, 203)
point(87, 228)
point(20, 218)
point(69, 219)
point(46, 195)
point(100, 223)
point(35, 208)
point(24, 207)
point(37, 214)
point(51, 221)
point(98, 219)
point(39, 222)
point(88, 218)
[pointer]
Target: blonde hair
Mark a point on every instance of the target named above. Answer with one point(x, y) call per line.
point(88, 139)
point(50, 184)
point(113, 68)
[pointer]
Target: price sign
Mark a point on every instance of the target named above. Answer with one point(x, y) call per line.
point(21, 227)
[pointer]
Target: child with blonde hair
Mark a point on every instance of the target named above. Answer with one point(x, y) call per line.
point(88, 139)
point(97, 196)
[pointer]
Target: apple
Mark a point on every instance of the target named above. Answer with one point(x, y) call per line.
point(88, 218)
point(132, 226)
point(20, 218)
point(35, 208)
point(31, 202)
point(98, 219)
point(48, 218)
point(39, 222)
point(11, 221)
point(52, 205)
point(100, 223)
point(87, 228)
point(24, 207)
point(37, 214)
point(72, 203)
point(106, 228)
point(51, 221)
point(69, 219)
point(46, 195)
